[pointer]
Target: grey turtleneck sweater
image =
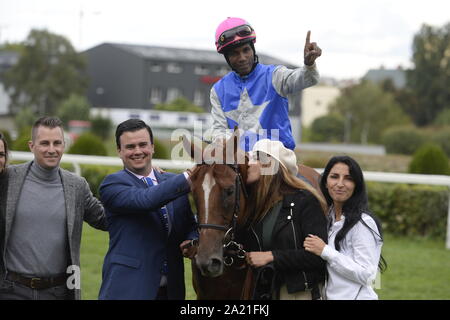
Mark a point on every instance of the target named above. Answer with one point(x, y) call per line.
point(38, 243)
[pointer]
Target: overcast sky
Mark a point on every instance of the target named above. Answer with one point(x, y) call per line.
point(355, 35)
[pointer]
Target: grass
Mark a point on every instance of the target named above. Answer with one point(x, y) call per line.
point(384, 163)
point(418, 268)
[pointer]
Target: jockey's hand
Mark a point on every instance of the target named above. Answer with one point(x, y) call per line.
point(188, 249)
point(259, 258)
point(312, 51)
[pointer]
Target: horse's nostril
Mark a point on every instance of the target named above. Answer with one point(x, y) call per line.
point(216, 263)
point(215, 267)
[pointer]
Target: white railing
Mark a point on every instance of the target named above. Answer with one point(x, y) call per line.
point(389, 177)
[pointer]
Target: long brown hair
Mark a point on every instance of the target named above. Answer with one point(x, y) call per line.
point(270, 189)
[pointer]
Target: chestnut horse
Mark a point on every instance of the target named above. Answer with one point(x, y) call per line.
point(219, 191)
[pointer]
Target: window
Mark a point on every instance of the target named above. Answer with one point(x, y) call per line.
point(99, 91)
point(172, 94)
point(154, 117)
point(199, 98)
point(155, 67)
point(155, 95)
point(174, 67)
point(183, 119)
point(201, 70)
point(134, 116)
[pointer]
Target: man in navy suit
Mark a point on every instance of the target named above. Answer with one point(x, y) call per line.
point(150, 219)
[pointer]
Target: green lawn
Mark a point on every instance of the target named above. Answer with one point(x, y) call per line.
point(417, 268)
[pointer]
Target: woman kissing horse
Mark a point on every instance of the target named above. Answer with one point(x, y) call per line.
point(220, 194)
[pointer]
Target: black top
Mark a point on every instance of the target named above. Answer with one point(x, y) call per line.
point(300, 215)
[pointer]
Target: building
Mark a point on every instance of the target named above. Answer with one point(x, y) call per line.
point(7, 60)
point(397, 76)
point(316, 102)
point(164, 123)
point(137, 77)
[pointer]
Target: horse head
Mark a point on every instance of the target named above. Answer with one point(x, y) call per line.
point(219, 193)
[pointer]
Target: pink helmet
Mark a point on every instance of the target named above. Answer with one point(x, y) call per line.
point(233, 31)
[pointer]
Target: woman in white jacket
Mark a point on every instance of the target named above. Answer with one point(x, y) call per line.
point(353, 252)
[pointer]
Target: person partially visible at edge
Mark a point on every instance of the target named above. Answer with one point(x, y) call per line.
point(45, 209)
point(255, 96)
point(353, 252)
point(283, 211)
point(3, 153)
point(151, 223)
point(3, 181)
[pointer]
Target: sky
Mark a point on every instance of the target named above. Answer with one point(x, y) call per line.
point(355, 35)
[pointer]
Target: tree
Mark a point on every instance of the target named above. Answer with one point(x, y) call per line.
point(429, 159)
point(406, 99)
point(101, 126)
point(76, 107)
point(88, 144)
point(25, 119)
point(430, 78)
point(328, 128)
point(48, 71)
point(367, 112)
point(443, 118)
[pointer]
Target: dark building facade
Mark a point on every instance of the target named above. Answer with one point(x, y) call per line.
point(138, 76)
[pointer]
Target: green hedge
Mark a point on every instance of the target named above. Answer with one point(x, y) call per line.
point(94, 175)
point(88, 144)
point(411, 210)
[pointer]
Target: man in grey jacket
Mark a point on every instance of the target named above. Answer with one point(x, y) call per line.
point(41, 233)
point(255, 97)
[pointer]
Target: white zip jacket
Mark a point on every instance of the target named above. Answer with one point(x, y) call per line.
point(353, 269)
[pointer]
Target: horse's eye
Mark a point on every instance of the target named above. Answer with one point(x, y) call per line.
point(229, 191)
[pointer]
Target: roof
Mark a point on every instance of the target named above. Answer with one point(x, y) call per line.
point(397, 76)
point(183, 54)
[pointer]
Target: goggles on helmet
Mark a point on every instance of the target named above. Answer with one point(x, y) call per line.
point(230, 35)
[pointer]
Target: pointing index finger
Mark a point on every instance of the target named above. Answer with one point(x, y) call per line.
point(308, 36)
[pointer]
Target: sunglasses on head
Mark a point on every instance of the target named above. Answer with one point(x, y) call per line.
point(230, 35)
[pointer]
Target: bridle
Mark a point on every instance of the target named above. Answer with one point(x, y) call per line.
point(231, 248)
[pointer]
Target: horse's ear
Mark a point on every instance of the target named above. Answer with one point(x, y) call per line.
point(194, 149)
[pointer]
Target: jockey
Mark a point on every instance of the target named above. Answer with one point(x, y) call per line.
point(254, 96)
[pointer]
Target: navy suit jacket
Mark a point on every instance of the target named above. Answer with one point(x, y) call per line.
point(138, 241)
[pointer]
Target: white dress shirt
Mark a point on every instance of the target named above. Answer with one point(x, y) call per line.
point(353, 269)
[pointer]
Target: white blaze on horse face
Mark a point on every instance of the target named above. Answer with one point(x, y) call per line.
point(208, 184)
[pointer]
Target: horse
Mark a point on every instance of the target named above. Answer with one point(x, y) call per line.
point(220, 193)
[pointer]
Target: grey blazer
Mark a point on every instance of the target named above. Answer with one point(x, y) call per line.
point(80, 205)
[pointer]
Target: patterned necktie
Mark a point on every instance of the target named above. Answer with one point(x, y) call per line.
point(165, 221)
point(162, 211)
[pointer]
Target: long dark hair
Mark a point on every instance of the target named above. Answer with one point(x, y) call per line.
point(355, 205)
